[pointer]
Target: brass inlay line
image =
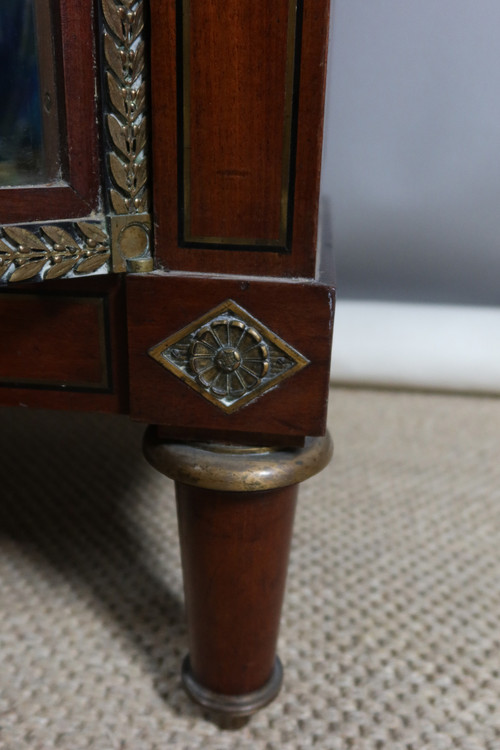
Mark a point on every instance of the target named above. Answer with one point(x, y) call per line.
point(287, 119)
point(281, 240)
point(186, 114)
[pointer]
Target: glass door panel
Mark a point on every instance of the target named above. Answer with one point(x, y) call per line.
point(29, 133)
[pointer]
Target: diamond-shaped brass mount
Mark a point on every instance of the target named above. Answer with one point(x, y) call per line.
point(228, 356)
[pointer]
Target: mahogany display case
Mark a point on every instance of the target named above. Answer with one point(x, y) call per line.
point(168, 268)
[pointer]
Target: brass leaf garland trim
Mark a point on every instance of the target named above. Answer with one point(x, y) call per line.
point(66, 248)
point(127, 127)
point(51, 251)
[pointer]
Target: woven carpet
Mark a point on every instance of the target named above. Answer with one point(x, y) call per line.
point(391, 627)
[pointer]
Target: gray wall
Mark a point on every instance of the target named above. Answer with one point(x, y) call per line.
point(411, 174)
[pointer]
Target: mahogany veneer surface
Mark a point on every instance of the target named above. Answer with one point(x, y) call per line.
point(298, 312)
point(63, 345)
point(220, 124)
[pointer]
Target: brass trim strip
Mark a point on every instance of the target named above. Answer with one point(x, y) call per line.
point(286, 174)
point(186, 116)
point(288, 118)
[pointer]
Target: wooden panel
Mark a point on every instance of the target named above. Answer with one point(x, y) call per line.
point(231, 141)
point(236, 163)
point(300, 313)
point(43, 345)
point(76, 193)
point(63, 345)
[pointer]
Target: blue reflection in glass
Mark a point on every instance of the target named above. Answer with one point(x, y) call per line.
point(20, 111)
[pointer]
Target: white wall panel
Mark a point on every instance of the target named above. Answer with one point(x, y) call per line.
point(411, 173)
point(436, 347)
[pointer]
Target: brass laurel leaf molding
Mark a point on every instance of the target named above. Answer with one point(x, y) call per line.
point(127, 128)
point(51, 251)
point(121, 241)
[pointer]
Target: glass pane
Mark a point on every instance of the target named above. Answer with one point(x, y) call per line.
point(27, 154)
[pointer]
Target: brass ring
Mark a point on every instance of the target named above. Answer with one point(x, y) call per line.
point(218, 467)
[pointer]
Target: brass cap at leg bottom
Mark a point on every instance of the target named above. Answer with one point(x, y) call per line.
point(236, 468)
point(232, 705)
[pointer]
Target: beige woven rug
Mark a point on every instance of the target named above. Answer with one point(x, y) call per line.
point(391, 629)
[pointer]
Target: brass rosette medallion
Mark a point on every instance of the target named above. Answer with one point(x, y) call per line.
point(228, 356)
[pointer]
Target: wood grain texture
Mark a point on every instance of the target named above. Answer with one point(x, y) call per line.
point(235, 549)
point(251, 104)
point(76, 193)
point(301, 313)
point(48, 353)
point(233, 153)
point(63, 346)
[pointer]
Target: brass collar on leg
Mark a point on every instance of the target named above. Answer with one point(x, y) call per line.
point(237, 468)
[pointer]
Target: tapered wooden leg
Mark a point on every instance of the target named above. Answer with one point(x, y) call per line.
point(235, 549)
point(235, 510)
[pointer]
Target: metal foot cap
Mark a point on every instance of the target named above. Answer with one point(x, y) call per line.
point(233, 705)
